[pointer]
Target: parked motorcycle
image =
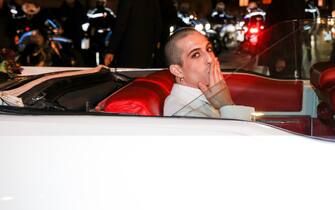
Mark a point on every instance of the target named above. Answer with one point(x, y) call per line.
point(48, 49)
point(228, 33)
point(39, 40)
point(253, 29)
point(201, 25)
point(225, 25)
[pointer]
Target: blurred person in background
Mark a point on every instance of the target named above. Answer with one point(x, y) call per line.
point(311, 10)
point(4, 23)
point(311, 27)
point(253, 10)
point(97, 31)
point(219, 15)
point(169, 18)
point(184, 13)
point(332, 32)
point(283, 58)
point(136, 34)
point(72, 15)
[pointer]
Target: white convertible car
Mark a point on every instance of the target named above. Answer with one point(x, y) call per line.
point(63, 138)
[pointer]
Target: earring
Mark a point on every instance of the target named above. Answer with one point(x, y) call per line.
point(182, 79)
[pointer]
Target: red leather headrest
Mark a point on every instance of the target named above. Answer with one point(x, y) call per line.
point(323, 75)
point(139, 97)
point(323, 79)
point(162, 78)
point(265, 94)
point(327, 79)
point(144, 96)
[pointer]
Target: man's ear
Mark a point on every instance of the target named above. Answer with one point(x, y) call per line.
point(176, 70)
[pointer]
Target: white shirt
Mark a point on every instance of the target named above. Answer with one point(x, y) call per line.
point(188, 101)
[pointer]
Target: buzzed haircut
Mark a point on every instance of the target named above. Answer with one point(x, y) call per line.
point(172, 51)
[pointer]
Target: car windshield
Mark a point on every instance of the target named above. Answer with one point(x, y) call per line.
point(286, 50)
point(279, 69)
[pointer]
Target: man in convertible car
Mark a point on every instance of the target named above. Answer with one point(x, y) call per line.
point(200, 89)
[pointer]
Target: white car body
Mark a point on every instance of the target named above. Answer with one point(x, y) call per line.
point(84, 162)
point(249, 166)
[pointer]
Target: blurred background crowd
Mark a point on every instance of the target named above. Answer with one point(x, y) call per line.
point(132, 33)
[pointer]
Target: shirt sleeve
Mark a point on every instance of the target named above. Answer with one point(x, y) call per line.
point(237, 112)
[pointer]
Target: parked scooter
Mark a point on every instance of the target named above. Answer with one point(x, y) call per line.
point(253, 27)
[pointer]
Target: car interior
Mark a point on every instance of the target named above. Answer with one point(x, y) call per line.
point(283, 102)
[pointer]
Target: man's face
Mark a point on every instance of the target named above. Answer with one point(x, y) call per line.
point(280, 65)
point(184, 7)
point(197, 56)
point(101, 3)
point(220, 7)
point(30, 8)
point(252, 5)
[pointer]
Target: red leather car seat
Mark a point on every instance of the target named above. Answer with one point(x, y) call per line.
point(323, 79)
point(265, 94)
point(146, 95)
point(164, 79)
point(143, 96)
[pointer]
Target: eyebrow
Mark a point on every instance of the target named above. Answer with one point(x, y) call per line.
point(196, 49)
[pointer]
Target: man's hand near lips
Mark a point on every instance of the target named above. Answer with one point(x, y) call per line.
point(217, 92)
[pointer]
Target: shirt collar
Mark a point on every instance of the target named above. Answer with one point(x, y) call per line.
point(186, 93)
